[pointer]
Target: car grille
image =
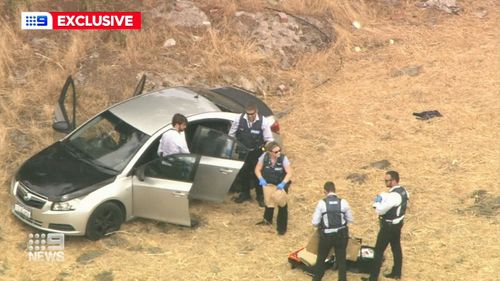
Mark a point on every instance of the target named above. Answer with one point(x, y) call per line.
point(29, 198)
point(63, 227)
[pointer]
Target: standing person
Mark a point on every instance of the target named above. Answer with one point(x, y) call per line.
point(331, 216)
point(274, 167)
point(253, 130)
point(391, 208)
point(173, 141)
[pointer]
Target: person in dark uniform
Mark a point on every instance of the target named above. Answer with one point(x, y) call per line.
point(391, 208)
point(273, 167)
point(253, 130)
point(331, 216)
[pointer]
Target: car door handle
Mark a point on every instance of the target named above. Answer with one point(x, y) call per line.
point(225, 171)
point(178, 194)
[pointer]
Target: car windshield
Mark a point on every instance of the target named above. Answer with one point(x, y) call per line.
point(106, 141)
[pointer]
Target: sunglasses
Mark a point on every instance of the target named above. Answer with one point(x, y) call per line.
point(251, 113)
point(276, 151)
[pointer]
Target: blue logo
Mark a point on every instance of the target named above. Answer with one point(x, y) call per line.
point(36, 20)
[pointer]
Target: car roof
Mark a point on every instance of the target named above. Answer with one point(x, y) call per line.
point(153, 111)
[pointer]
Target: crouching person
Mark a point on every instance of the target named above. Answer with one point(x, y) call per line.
point(331, 216)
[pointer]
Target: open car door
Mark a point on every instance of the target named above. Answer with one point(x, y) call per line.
point(221, 159)
point(64, 122)
point(140, 86)
point(161, 187)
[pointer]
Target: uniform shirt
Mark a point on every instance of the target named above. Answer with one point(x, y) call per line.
point(321, 208)
point(266, 127)
point(389, 200)
point(172, 142)
point(286, 162)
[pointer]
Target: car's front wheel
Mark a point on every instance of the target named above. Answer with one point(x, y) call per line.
point(106, 218)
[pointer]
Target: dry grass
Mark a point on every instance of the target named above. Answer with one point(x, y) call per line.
point(346, 111)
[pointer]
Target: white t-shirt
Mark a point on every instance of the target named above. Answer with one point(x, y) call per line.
point(172, 142)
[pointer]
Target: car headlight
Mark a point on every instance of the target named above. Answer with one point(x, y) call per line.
point(69, 205)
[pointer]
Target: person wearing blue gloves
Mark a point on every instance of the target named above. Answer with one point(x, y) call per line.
point(273, 167)
point(391, 209)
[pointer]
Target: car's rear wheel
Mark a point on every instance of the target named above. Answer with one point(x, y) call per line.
point(106, 218)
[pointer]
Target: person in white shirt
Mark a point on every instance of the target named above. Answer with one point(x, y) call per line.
point(173, 141)
point(391, 208)
point(254, 131)
point(331, 216)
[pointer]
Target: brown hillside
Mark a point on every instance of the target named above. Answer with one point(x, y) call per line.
point(341, 111)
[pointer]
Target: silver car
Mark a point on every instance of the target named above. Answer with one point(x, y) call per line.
point(107, 170)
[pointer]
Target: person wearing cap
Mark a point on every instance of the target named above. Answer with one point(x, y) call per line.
point(253, 131)
point(173, 141)
point(331, 217)
point(273, 167)
point(391, 209)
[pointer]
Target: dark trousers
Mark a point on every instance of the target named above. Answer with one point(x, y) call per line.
point(247, 175)
point(339, 242)
point(388, 234)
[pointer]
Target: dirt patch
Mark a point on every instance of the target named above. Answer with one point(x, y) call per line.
point(88, 257)
point(485, 204)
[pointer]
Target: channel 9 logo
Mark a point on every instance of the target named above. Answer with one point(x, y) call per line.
point(36, 20)
point(46, 247)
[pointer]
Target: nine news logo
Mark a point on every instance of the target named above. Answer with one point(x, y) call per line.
point(36, 20)
point(46, 247)
point(81, 20)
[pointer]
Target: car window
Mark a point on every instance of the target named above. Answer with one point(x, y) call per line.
point(107, 141)
point(220, 125)
point(210, 142)
point(179, 167)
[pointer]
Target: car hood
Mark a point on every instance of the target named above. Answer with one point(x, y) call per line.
point(55, 172)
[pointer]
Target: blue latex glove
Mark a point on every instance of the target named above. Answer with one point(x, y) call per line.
point(262, 182)
point(281, 185)
point(378, 199)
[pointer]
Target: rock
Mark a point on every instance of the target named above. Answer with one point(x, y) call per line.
point(356, 24)
point(282, 87)
point(357, 178)
point(448, 6)
point(283, 17)
point(382, 164)
point(169, 43)
point(186, 14)
point(396, 72)
point(412, 70)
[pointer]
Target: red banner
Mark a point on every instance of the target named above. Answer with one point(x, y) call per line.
point(96, 20)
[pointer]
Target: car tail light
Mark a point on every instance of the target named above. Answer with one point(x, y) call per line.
point(275, 128)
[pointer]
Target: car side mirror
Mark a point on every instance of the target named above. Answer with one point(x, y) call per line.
point(61, 127)
point(140, 173)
